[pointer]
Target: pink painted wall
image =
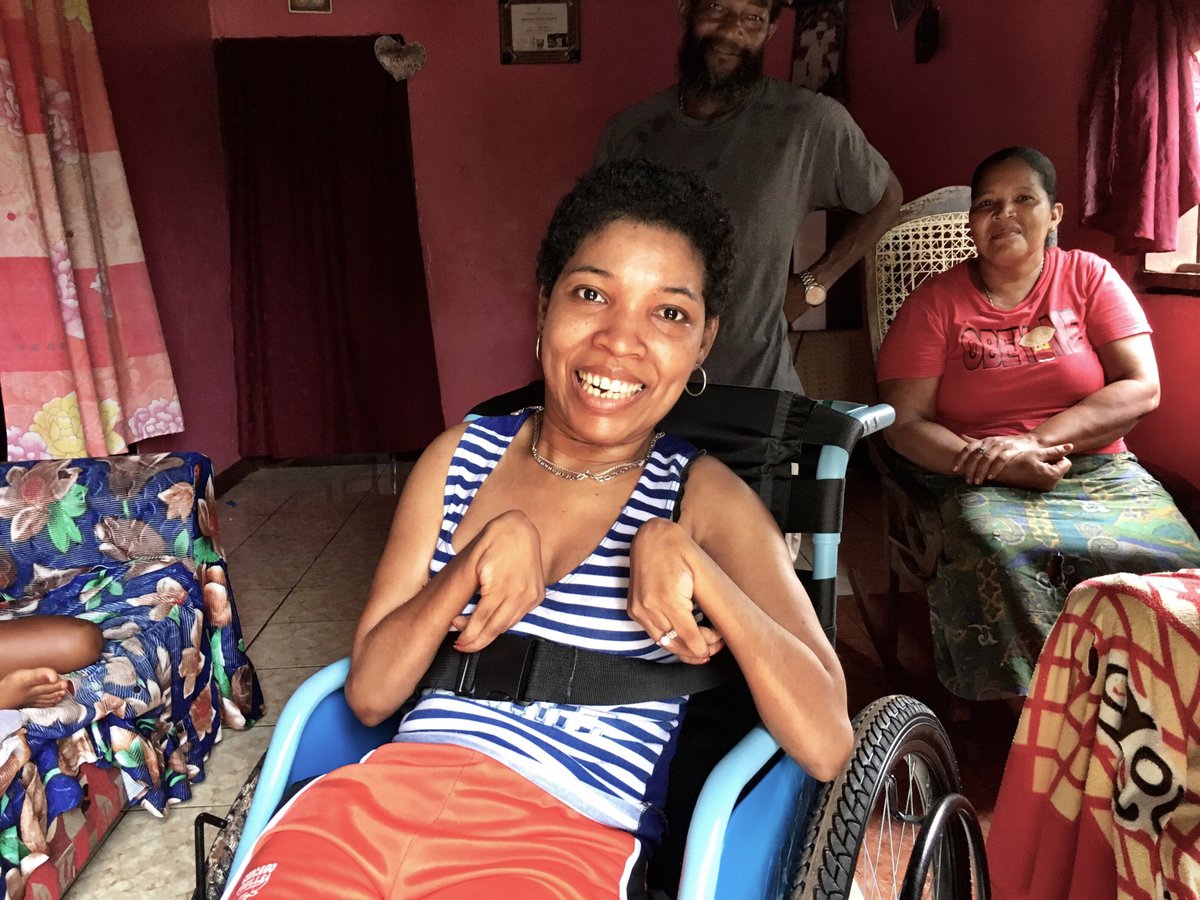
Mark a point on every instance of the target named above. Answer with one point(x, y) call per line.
point(1169, 438)
point(494, 148)
point(1007, 73)
point(157, 62)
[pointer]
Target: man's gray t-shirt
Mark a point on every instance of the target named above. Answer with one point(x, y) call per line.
point(783, 153)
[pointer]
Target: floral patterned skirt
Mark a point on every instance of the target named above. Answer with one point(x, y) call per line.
point(1010, 557)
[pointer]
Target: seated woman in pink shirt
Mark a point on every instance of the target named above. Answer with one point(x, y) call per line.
point(1015, 377)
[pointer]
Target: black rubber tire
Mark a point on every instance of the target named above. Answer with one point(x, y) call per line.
point(891, 731)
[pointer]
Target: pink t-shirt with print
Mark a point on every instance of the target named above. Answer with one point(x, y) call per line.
point(1007, 371)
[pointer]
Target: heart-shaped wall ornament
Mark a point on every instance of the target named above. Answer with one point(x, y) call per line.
point(400, 59)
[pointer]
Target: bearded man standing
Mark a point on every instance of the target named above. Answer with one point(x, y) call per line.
point(775, 153)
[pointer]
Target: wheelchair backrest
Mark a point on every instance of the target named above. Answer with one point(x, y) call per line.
point(772, 440)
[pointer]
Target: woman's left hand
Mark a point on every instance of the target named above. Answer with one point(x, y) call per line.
point(661, 591)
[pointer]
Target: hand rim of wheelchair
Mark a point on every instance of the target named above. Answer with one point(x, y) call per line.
point(893, 735)
point(946, 810)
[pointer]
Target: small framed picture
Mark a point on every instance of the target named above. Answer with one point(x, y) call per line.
point(818, 45)
point(533, 31)
point(310, 6)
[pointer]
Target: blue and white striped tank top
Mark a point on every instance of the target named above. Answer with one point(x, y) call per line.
point(607, 762)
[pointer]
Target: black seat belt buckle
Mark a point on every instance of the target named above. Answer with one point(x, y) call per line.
point(498, 672)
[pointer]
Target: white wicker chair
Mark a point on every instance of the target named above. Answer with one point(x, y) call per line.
point(929, 235)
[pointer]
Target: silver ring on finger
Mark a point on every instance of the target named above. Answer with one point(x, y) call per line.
point(665, 640)
point(982, 448)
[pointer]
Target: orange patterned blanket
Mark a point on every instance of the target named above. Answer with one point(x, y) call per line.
point(1101, 793)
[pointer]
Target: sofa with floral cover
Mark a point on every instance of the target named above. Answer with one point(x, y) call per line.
point(129, 543)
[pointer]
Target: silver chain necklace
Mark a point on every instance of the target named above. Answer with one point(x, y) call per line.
point(987, 293)
point(570, 474)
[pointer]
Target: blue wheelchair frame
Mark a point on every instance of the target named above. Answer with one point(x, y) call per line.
point(755, 800)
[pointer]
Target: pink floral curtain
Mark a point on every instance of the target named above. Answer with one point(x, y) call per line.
point(1141, 150)
point(83, 366)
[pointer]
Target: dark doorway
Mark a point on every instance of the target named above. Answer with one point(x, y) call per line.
point(333, 346)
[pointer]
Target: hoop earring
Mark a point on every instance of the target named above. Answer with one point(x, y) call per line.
point(537, 348)
point(703, 384)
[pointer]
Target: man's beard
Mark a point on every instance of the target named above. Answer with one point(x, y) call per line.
point(696, 79)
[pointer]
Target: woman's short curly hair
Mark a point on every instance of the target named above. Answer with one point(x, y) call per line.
point(640, 191)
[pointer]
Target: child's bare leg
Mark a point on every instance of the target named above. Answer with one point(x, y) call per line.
point(31, 687)
point(33, 650)
point(61, 643)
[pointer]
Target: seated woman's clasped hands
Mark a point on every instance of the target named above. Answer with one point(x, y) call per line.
point(1015, 377)
point(1016, 460)
point(567, 524)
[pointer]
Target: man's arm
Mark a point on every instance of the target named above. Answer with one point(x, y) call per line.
point(861, 234)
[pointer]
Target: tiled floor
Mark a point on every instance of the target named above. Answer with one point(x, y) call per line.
point(302, 544)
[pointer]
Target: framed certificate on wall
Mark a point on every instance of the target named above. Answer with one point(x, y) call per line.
point(310, 6)
point(535, 31)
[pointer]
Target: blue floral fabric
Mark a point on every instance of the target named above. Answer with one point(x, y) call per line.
point(130, 543)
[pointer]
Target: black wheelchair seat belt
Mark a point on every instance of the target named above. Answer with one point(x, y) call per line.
point(524, 669)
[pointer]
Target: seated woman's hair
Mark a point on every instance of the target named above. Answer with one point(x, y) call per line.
point(1035, 159)
point(640, 191)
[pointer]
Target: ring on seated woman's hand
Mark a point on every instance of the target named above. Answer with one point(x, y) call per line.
point(981, 449)
point(665, 640)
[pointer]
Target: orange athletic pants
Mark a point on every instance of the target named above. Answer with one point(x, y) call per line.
point(437, 821)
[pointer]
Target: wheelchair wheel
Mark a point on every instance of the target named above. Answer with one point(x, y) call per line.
point(862, 826)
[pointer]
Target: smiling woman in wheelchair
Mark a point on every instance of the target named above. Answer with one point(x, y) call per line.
point(1015, 377)
point(567, 525)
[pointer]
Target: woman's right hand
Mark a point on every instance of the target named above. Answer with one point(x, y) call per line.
point(506, 557)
